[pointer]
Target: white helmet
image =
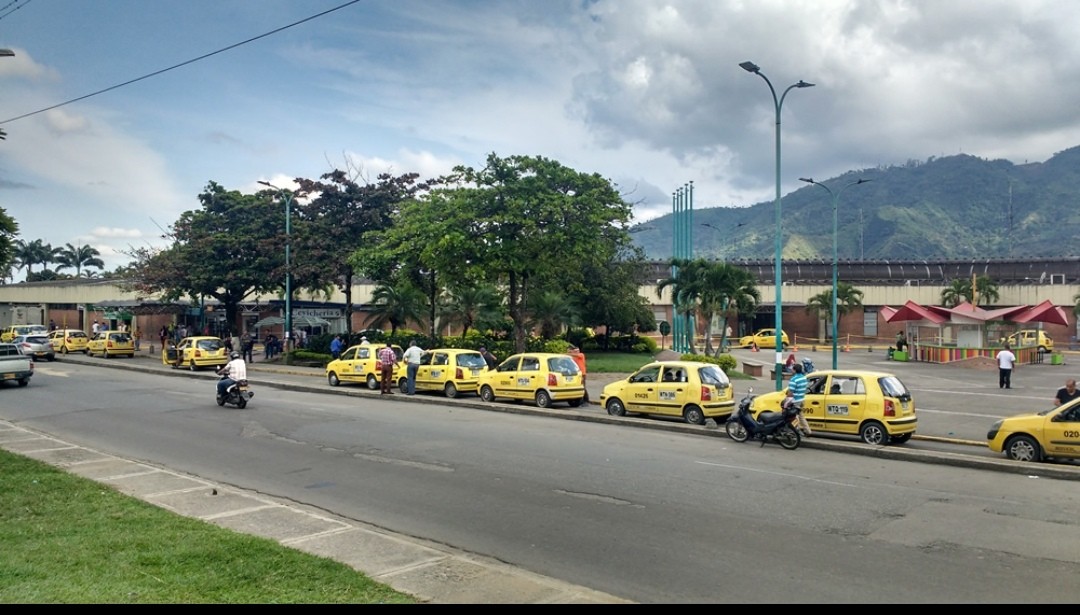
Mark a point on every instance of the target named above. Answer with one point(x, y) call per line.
point(234, 355)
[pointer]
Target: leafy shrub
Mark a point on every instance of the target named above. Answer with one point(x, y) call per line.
point(726, 362)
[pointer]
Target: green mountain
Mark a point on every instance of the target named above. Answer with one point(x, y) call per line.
point(956, 207)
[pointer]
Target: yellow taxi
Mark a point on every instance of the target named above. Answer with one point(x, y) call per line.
point(875, 406)
point(15, 331)
point(764, 338)
point(1038, 436)
point(452, 371)
point(359, 364)
point(1026, 338)
point(196, 353)
point(692, 390)
point(68, 340)
point(112, 344)
point(543, 377)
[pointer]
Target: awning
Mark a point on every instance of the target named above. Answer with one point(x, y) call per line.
point(1044, 312)
point(297, 321)
point(912, 311)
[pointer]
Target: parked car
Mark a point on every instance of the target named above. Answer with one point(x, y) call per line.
point(542, 377)
point(451, 371)
point(359, 364)
point(1031, 337)
point(1039, 436)
point(690, 389)
point(196, 353)
point(68, 340)
point(764, 338)
point(10, 333)
point(35, 345)
point(112, 344)
point(875, 406)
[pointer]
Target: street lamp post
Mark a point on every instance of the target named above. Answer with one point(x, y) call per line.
point(288, 263)
point(835, 201)
point(778, 103)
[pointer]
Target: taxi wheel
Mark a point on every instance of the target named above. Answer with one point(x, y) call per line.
point(1023, 448)
point(450, 390)
point(63, 350)
point(332, 379)
point(403, 385)
point(543, 399)
point(615, 407)
point(372, 382)
point(694, 415)
point(900, 439)
point(104, 354)
point(486, 393)
point(192, 366)
point(873, 432)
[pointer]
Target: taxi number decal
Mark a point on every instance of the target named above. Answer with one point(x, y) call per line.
point(641, 396)
point(836, 409)
point(667, 395)
point(1072, 434)
point(523, 382)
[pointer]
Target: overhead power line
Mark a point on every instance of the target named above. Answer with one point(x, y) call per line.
point(191, 61)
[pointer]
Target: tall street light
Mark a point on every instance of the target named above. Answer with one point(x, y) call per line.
point(778, 103)
point(835, 200)
point(288, 263)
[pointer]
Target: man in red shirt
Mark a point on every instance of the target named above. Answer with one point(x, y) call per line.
point(579, 358)
point(387, 357)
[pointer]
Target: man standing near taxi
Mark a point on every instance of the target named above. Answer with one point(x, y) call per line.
point(579, 358)
point(797, 385)
point(387, 357)
point(412, 363)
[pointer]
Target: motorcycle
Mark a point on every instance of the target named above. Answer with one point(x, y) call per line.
point(780, 427)
point(237, 394)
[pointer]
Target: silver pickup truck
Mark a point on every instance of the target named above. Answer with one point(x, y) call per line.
point(14, 365)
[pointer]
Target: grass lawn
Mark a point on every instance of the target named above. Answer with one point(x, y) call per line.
point(71, 540)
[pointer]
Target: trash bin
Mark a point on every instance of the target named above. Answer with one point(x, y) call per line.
point(899, 355)
point(1057, 359)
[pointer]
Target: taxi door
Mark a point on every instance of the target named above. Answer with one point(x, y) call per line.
point(504, 380)
point(352, 366)
point(640, 394)
point(432, 371)
point(845, 404)
point(670, 391)
point(1061, 433)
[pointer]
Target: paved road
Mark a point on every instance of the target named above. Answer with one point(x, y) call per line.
point(432, 572)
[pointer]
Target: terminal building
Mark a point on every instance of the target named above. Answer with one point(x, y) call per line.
point(885, 285)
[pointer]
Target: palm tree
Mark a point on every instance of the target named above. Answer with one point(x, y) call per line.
point(551, 312)
point(77, 257)
point(396, 306)
point(986, 291)
point(688, 285)
point(848, 298)
point(956, 293)
point(474, 307)
point(34, 253)
point(725, 287)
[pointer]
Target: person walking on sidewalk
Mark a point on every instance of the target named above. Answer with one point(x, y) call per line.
point(335, 347)
point(412, 357)
point(1006, 360)
point(387, 357)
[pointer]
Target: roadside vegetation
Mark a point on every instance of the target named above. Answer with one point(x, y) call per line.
point(71, 540)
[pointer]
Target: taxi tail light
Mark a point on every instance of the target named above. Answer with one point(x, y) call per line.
point(459, 373)
point(890, 408)
point(706, 393)
point(197, 353)
point(552, 380)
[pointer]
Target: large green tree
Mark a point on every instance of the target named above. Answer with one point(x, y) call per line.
point(848, 299)
point(32, 253)
point(611, 298)
point(516, 220)
point(343, 211)
point(983, 292)
point(230, 249)
point(9, 229)
point(472, 308)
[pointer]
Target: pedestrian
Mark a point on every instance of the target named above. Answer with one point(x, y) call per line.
point(247, 347)
point(163, 335)
point(579, 358)
point(364, 341)
point(412, 357)
point(489, 358)
point(1066, 393)
point(1006, 361)
point(52, 325)
point(387, 357)
point(335, 347)
point(901, 342)
point(94, 328)
point(136, 334)
point(797, 386)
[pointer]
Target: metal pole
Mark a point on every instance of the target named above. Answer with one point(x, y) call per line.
point(835, 260)
point(288, 263)
point(778, 103)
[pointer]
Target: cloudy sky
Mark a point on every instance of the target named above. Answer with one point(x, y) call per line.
point(647, 93)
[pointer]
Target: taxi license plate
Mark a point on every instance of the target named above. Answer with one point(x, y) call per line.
point(9, 376)
point(475, 372)
point(904, 405)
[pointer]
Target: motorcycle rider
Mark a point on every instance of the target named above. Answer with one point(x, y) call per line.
point(234, 371)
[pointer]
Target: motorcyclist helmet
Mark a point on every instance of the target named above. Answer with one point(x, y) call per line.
point(234, 355)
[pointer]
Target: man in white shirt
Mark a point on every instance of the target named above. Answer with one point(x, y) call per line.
point(1006, 361)
point(412, 363)
point(236, 370)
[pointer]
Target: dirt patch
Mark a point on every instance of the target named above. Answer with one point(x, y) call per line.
point(979, 363)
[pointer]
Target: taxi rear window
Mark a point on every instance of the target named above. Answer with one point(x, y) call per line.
point(471, 360)
point(210, 345)
point(713, 375)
